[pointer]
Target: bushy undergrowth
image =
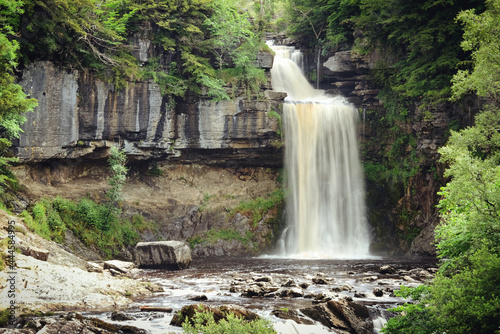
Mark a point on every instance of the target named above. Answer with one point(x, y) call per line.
point(203, 322)
point(256, 209)
point(94, 224)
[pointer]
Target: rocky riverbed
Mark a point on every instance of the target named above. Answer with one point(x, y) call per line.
point(299, 296)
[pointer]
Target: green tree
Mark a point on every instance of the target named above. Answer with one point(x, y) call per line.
point(80, 34)
point(465, 295)
point(425, 38)
point(116, 160)
point(227, 28)
point(13, 101)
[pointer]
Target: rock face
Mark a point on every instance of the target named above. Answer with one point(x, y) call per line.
point(80, 116)
point(163, 254)
point(69, 323)
point(343, 315)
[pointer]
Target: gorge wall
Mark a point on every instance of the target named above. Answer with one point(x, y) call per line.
point(208, 156)
point(80, 116)
point(67, 138)
point(402, 196)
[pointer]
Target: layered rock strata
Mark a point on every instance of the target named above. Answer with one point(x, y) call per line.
point(81, 116)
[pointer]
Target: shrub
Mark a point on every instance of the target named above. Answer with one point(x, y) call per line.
point(203, 322)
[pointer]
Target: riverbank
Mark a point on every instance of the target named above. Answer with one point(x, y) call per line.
point(294, 294)
point(42, 276)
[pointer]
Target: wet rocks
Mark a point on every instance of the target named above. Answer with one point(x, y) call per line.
point(121, 316)
point(288, 314)
point(163, 254)
point(294, 292)
point(343, 315)
point(367, 279)
point(387, 270)
point(70, 323)
point(319, 280)
point(39, 254)
point(377, 292)
point(199, 298)
point(117, 267)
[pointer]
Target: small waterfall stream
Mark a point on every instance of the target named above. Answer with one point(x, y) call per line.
point(326, 211)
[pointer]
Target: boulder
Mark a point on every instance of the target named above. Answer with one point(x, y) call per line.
point(121, 316)
point(163, 254)
point(93, 267)
point(121, 266)
point(198, 298)
point(293, 292)
point(342, 315)
point(387, 270)
point(288, 314)
point(322, 314)
point(319, 280)
point(356, 315)
point(39, 254)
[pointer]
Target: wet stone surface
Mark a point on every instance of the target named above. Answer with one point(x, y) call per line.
point(294, 294)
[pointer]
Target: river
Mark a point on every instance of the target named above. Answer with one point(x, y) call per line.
point(222, 281)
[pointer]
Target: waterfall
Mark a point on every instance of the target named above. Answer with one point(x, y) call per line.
point(325, 205)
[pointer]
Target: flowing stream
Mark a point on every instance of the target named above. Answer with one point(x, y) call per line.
point(216, 277)
point(326, 215)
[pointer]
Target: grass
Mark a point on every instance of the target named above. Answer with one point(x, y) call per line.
point(256, 209)
point(93, 223)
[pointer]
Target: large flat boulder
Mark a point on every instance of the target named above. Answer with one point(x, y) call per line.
point(163, 255)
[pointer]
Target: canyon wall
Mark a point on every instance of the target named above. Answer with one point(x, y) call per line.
point(79, 117)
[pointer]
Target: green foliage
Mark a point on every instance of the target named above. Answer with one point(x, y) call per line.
point(470, 201)
point(81, 34)
point(481, 37)
point(277, 117)
point(468, 300)
point(13, 101)
point(418, 318)
point(4, 317)
point(423, 33)
point(45, 221)
point(257, 208)
point(397, 162)
point(213, 235)
point(116, 161)
point(155, 171)
point(465, 295)
point(326, 22)
point(91, 222)
point(203, 322)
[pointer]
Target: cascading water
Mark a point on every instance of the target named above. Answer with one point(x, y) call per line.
point(325, 207)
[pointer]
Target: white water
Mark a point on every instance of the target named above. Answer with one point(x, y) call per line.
point(325, 207)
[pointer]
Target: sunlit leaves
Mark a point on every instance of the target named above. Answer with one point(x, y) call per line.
point(482, 37)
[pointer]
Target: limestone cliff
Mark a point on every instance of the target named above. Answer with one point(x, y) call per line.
point(80, 116)
point(66, 141)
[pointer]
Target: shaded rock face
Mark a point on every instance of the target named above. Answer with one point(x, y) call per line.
point(163, 254)
point(347, 74)
point(69, 323)
point(78, 115)
point(343, 315)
